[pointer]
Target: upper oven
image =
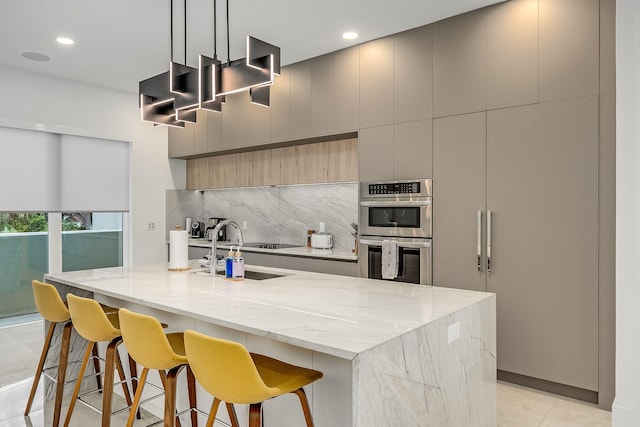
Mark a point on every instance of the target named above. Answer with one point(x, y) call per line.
point(396, 208)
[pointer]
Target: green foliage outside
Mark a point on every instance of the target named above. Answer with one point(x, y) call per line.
point(37, 222)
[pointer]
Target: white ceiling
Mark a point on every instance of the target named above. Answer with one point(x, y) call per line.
point(120, 42)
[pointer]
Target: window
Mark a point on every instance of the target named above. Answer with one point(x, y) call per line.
point(23, 257)
point(85, 178)
point(91, 240)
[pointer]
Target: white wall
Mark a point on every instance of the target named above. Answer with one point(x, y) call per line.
point(626, 407)
point(38, 102)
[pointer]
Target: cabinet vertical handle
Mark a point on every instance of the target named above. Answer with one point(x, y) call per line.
point(489, 241)
point(479, 240)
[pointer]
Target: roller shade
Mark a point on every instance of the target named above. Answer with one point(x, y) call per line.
point(94, 174)
point(45, 172)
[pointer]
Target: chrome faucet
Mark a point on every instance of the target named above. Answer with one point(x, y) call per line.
point(214, 242)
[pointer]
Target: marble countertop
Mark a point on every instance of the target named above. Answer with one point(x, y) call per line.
point(300, 251)
point(338, 315)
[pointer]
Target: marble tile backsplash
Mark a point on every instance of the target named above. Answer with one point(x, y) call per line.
point(281, 214)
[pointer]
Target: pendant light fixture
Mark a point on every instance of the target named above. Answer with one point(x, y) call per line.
point(209, 73)
point(173, 97)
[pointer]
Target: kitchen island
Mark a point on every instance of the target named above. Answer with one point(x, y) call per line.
point(392, 354)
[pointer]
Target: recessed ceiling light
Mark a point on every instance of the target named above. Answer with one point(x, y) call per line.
point(35, 56)
point(350, 35)
point(65, 40)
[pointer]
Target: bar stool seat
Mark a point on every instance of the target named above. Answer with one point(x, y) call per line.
point(153, 349)
point(231, 374)
point(95, 325)
point(53, 309)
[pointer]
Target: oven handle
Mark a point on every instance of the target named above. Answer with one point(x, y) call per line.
point(396, 203)
point(412, 245)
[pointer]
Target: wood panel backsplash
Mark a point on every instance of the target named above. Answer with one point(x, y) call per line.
point(331, 161)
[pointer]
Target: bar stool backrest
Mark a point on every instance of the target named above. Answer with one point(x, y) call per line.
point(49, 303)
point(90, 320)
point(146, 341)
point(225, 369)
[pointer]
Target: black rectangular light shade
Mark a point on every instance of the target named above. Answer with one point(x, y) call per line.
point(260, 95)
point(258, 53)
point(184, 85)
point(156, 102)
point(210, 77)
point(238, 76)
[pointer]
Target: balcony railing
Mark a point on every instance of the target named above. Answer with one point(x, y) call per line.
point(24, 257)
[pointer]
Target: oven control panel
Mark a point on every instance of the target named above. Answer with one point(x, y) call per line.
point(406, 188)
point(395, 188)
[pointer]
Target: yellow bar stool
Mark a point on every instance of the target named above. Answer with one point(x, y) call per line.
point(153, 349)
point(94, 325)
point(54, 310)
point(231, 374)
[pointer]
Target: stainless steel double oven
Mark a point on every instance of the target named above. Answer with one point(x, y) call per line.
point(400, 211)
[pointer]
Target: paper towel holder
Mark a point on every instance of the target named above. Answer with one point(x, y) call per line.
point(185, 268)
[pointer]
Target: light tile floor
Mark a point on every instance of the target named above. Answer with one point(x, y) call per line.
point(20, 348)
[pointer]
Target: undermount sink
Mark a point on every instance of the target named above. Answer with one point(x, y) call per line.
point(267, 245)
point(248, 274)
point(258, 275)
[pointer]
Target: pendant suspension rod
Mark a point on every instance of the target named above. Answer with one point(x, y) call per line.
point(185, 32)
point(171, 26)
point(228, 50)
point(215, 30)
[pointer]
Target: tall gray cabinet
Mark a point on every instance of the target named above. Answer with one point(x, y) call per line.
point(535, 168)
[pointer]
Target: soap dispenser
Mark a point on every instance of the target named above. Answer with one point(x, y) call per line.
point(238, 265)
point(228, 264)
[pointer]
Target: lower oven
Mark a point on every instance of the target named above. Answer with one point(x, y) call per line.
point(414, 259)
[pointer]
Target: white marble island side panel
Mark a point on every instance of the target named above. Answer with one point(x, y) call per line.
point(317, 320)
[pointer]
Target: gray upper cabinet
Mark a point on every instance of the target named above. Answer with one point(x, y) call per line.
point(322, 95)
point(542, 187)
point(234, 120)
point(300, 100)
point(400, 151)
point(258, 124)
point(214, 131)
point(412, 150)
point(569, 46)
point(376, 83)
point(346, 110)
point(181, 141)
point(412, 75)
point(512, 54)
point(459, 174)
point(460, 64)
point(201, 132)
point(375, 153)
point(279, 105)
